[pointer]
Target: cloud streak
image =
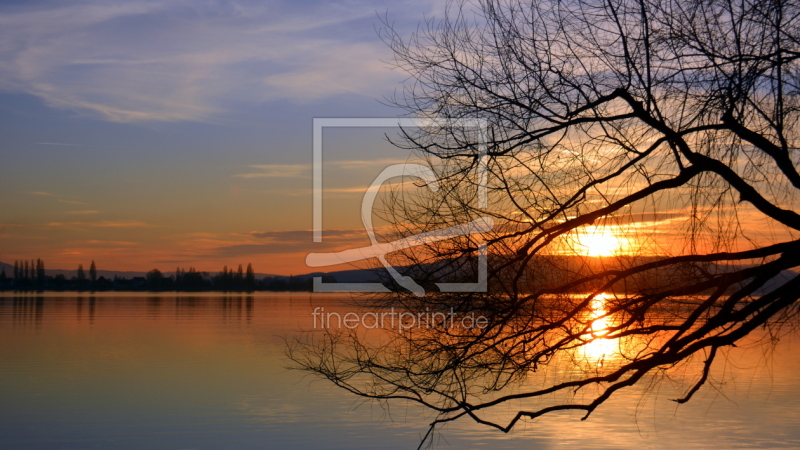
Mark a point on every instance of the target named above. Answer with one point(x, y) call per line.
point(61, 144)
point(291, 241)
point(81, 213)
point(134, 61)
point(277, 171)
point(103, 224)
point(304, 170)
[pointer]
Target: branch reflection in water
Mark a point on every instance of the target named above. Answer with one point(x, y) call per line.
point(555, 353)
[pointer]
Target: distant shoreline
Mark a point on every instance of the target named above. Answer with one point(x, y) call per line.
point(87, 294)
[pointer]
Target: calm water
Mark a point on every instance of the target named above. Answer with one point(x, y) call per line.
point(208, 372)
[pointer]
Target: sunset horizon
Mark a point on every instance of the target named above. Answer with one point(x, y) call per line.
point(394, 224)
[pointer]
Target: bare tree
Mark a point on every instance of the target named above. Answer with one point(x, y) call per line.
point(643, 160)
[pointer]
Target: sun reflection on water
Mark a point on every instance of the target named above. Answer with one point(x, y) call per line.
point(599, 348)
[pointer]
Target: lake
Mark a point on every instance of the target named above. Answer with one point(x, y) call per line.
point(209, 371)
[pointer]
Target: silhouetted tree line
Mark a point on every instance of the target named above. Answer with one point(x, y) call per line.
point(26, 274)
point(30, 275)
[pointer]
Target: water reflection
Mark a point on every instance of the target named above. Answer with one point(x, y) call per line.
point(189, 306)
point(561, 353)
point(167, 371)
point(208, 371)
point(598, 347)
point(237, 307)
point(92, 306)
point(154, 306)
point(27, 311)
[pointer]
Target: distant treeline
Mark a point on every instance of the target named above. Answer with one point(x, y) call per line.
point(31, 276)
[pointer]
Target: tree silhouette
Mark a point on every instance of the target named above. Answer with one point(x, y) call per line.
point(238, 278)
point(59, 281)
point(40, 272)
point(642, 173)
point(154, 279)
point(193, 280)
point(250, 278)
point(222, 279)
point(93, 273)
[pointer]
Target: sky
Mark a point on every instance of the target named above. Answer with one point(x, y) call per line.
point(179, 133)
point(148, 135)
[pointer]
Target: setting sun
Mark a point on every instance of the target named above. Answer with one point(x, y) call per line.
point(597, 241)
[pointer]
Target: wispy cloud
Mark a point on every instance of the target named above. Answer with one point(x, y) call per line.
point(103, 224)
point(304, 170)
point(291, 241)
point(129, 61)
point(60, 200)
point(81, 213)
point(366, 164)
point(277, 171)
point(351, 190)
point(346, 235)
point(62, 144)
point(120, 224)
point(643, 219)
point(109, 243)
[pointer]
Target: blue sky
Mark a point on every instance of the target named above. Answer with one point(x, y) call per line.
point(149, 134)
point(212, 62)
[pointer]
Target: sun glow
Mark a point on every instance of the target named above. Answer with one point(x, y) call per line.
point(599, 241)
